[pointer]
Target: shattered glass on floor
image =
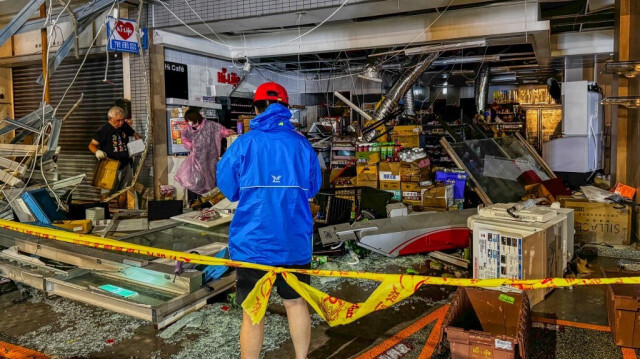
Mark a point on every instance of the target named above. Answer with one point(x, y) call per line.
point(79, 330)
point(374, 262)
point(212, 332)
point(219, 334)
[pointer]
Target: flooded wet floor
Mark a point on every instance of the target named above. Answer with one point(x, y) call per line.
point(67, 329)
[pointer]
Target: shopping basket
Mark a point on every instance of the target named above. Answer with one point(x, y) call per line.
point(342, 205)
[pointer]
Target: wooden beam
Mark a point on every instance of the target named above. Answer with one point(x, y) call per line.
point(43, 41)
point(159, 110)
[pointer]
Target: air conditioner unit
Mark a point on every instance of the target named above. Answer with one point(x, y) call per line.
point(517, 249)
point(533, 214)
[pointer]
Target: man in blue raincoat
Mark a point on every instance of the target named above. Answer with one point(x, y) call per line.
point(273, 172)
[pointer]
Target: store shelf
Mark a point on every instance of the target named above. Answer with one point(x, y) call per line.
point(181, 102)
point(628, 69)
point(626, 101)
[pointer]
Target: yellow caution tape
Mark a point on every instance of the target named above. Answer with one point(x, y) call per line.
point(393, 287)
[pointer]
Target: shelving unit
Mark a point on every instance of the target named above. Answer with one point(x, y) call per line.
point(628, 69)
point(240, 106)
point(626, 101)
point(433, 131)
point(342, 153)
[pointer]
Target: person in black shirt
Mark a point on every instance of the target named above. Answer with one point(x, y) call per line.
point(110, 140)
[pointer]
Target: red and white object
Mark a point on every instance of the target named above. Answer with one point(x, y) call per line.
point(424, 232)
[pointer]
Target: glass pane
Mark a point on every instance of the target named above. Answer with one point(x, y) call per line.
point(551, 120)
point(532, 127)
point(182, 238)
point(496, 163)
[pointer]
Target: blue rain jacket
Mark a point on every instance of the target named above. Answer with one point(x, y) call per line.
point(273, 172)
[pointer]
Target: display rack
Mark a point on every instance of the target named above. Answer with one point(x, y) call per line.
point(626, 101)
point(343, 152)
point(240, 106)
point(628, 69)
point(433, 131)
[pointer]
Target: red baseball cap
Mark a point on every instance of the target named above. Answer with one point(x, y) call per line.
point(271, 91)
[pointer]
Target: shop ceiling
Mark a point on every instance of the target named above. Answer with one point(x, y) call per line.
point(527, 40)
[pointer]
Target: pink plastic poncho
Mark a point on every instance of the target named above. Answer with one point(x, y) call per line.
point(198, 171)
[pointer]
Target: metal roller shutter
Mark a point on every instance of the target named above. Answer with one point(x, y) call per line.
point(78, 129)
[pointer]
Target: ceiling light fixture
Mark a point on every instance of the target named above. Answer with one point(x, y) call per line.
point(445, 47)
point(466, 60)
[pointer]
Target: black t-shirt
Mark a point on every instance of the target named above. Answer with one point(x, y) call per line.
point(113, 141)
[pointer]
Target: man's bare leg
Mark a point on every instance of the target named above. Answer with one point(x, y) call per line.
point(299, 325)
point(251, 337)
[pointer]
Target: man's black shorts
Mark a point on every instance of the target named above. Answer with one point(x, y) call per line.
point(246, 279)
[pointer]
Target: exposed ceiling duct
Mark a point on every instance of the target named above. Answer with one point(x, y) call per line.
point(399, 88)
point(482, 88)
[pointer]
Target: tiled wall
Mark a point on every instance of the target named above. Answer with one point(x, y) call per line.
point(213, 10)
point(202, 73)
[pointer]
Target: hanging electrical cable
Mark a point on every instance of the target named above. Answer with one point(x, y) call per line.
point(256, 47)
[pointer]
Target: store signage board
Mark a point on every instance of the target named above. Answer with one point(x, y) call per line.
point(122, 36)
point(176, 80)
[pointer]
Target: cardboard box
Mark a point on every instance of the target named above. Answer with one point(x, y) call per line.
point(396, 210)
point(390, 185)
point(367, 169)
point(458, 179)
point(411, 141)
point(397, 194)
point(371, 157)
point(504, 248)
point(600, 222)
point(389, 171)
point(77, 226)
point(412, 202)
point(364, 183)
point(345, 182)
point(106, 173)
point(407, 130)
point(440, 195)
point(538, 190)
point(411, 193)
point(410, 187)
point(411, 172)
point(246, 122)
point(434, 209)
point(367, 174)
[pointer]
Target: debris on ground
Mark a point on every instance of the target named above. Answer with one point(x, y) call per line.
point(219, 334)
point(79, 330)
point(181, 323)
point(371, 263)
point(629, 265)
point(582, 266)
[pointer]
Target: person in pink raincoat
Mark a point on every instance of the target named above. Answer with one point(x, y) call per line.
point(203, 140)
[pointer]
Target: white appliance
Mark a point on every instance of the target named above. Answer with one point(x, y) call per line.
point(580, 150)
point(507, 247)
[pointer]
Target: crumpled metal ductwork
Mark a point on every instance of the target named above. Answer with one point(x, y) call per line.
point(408, 103)
point(481, 88)
point(399, 89)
